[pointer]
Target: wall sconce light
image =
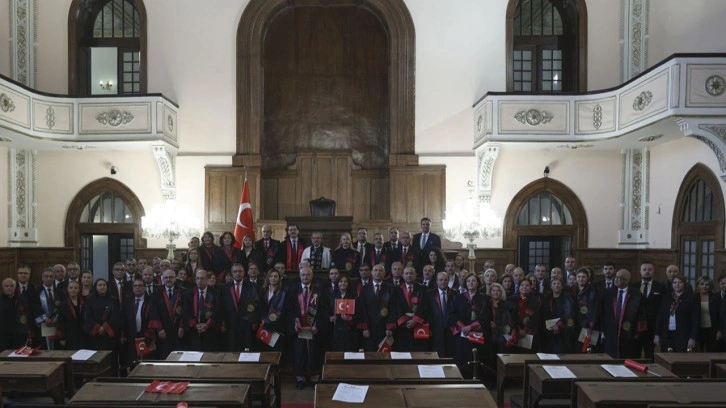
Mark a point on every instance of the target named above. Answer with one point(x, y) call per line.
point(105, 85)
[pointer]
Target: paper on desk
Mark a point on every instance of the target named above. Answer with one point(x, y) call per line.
point(558, 371)
point(551, 323)
point(353, 356)
point(526, 342)
point(350, 393)
point(191, 356)
point(547, 356)
point(82, 355)
point(14, 354)
point(431, 371)
point(618, 370)
point(249, 357)
point(47, 331)
point(305, 333)
point(594, 336)
point(397, 355)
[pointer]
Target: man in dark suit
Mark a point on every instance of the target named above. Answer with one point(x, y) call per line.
point(44, 306)
point(652, 294)
point(118, 287)
point(424, 241)
point(440, 301)
point(377, 254)
point(147, 276)
point(429, 277)
point(270, 248)
point(379, 309)
point(239, 310)
point(136, 314)
point(166, 315)
point(405, 254)
point(132, 270)
point(363, 246)
point(24, 287)
point(608, 271)
point(623, 318)
point(412, 313)
point(200, 306)
point(15, 315)
point(292, 248)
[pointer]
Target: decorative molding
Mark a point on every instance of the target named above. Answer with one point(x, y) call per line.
point(648, 139)
point(165, 156)
point(170, 122)
point(635, 35)
point(21, 223)
point(642, 101)
point(717, 151)
point(715, 85)
point(114, 118)
point(5, 139)
point(711, 134)
point(533, 117)
point(597, 116)
point(717, 130)
point(22, 33)
point(487, 156)
point(78, 147)
point(575, 146)
point(6, 103)
point(479, 123)
point(50, 117)
point(635, 198)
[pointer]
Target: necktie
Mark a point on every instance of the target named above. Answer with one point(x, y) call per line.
point(619, 308)
point(237, 290)
point(22, 289)
point(645, 289)
point(49, 293)
point(267, 244)
point(360, 248)
point(423, 240)
point(201, 308)
point(442, 294)
point(305, 294)
point(378, 255)
point(149, 290)
point(404, 250)
point(377, 289)
point(170, 293)
point(408, 288)
point(294, 246)
point(609, 284)
point(426, 283)
point(136, 313)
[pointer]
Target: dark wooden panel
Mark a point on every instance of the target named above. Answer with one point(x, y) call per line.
point(215, 190)
point(8, 262)
point(40, 258)
point(418, 191)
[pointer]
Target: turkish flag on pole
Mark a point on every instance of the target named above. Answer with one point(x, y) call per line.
point(244, 224)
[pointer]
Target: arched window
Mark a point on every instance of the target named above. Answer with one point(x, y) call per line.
point(698, 223)
point(107, 46)
point(546, 222)
point(104, 223)
point(546, 45)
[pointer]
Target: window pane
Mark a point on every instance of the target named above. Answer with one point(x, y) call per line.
point(545, 208)
point(107, 211)
point(534, 214)
point(527, 87)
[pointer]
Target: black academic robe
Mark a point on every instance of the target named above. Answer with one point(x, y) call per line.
point(376, 256)
point(239, 316)
point(167, 314)
point(346, 260)
point(687, 312)
point(223, 259)
point(292, 260)
point(200, 312)
point(411, 307)
point(651, 302)
point(129, 325)
point(310, 312)
point(346, 336)
point(270, 255)
point(70, 324)
point(255, 256)
point(562, 308)
point(125, 290)
point(471, 311)
point(422, 253)
point(276, 313)
point(503, 323)
point(16, 321)
point(206, 256)
point(379, 313)
point(621, 334)
point(529, 312)
point(102, 311)
point(442, 339)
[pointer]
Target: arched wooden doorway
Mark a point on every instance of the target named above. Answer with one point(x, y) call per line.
point(546, 222)
point(105, 215)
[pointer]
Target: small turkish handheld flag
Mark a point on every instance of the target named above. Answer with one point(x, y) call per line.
point(422, 332)
point(386, 345)
point(244, 225)
point(345, 306)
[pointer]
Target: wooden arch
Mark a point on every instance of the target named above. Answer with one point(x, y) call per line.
point(578, 229)
point(398, 24)
point(716, 227)
point(74, 227)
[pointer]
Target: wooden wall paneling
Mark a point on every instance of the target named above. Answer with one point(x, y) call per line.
point(287, 196)
point(362, 199)
point(214, 197)
point(40, 258)
point(719, 265)
point(269, 188)
point(342, 181)
point(8, 263)
point(381, 198)
point(414, 190)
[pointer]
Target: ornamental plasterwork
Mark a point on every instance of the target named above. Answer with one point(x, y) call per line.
point(717, 130)
point(165, 158)
point(715, 85)
point(479, 123)
point(533, 117)
point(636, 194)
point(170, 122)
point(650, 138)
point(50, 117)
point(487, 158)
point(597, 116)
point(114, 118)
point(22, 33)
point(635, 33)
point(5, 139)
point(576, 146)
point(717, 151)
point(642, 101)
point(6, 104)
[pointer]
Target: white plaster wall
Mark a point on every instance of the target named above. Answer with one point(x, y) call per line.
point(52, 46)
point(4, 167)
point(678, 26)
point(5, 37)
point(669, 163)
point(603, 44)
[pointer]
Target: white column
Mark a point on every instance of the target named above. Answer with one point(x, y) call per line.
point(634, 38)
point(635, 197)
point(22, 229)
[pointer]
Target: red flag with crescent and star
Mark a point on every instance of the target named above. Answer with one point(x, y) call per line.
point(244, 225)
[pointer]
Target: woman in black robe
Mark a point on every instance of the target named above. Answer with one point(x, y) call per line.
point(679, 318)
point(469, 320)
point(344, 257)
point(527, 308)
point(557, 304)
point(70, 318)
point(276, 312)
point(226, 254)
point(346, 336)
point(102, 321)
point(503, 324)
point(250, 254)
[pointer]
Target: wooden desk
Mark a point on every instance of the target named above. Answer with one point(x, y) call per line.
point(511, 366)
point(412, 396)
point(32, 376)
point(128, 394)
point(539, 384)
point(642, 394)
point(256, 375)
point(421, 357)
point(266, 357)
point(386, 374)
point(688, 364)
point(718, 369)
point(84, 370)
